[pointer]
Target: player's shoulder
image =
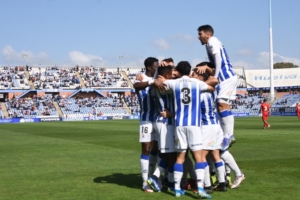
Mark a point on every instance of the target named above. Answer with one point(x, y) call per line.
point(213, 41)
point(146, 78)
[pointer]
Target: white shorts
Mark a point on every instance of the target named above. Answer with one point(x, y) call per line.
point(166, 137)
point(188, 137)
point(212, 137)
point(147, 132)
point(220, 138)
point(228, 88)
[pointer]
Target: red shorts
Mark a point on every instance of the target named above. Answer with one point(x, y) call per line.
point(298, 113)
point(265, 116)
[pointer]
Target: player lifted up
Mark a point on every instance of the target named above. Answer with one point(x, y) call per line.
point(226, 76)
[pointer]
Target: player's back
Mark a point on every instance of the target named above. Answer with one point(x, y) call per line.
point(187, 100)
point(265, 107)
point(208, 110)
point(213, 46)
point(165, 101)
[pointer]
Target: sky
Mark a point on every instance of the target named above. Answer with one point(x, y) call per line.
point(123, 33)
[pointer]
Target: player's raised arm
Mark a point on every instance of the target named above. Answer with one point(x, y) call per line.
point(217, 58)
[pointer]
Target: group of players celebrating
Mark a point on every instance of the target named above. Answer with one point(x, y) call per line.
point(188, 110)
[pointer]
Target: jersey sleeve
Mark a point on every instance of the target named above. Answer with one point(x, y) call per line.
point(169, 84)
point(203, 86)
point(145, 79)
point(213, 46)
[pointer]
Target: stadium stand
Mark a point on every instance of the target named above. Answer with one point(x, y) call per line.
point(240, 72)
point(103, 78)
point(288, 100)
point(31, 107)
point(60, 87)
point(13, 78)
point(79, 107)
point(54, 78)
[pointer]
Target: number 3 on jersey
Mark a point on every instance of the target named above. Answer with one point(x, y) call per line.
point(186, 95)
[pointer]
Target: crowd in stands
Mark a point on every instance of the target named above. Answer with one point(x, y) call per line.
point(95, 77)
point(288, 100)
point(248, 103)
point(132, 103)
point(13, 78)
point(102, 77)
point(54, 78)
point(93, 106)
point(30, 107)
point(66, 78)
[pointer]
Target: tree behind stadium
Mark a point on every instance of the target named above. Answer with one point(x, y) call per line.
point(281, 65)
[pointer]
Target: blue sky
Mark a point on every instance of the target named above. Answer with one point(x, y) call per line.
point(98, 32)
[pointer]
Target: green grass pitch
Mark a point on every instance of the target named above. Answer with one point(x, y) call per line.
point(100, 160)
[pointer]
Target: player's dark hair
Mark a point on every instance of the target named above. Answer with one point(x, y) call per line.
point(184, 68)
point(265, 100)
point(206, 28)
point(209, 64)
point(168, 60)
point(164, 70)
point(149, 62)
point(205, 75)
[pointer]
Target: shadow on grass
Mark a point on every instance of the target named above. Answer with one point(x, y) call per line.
point(128, 180)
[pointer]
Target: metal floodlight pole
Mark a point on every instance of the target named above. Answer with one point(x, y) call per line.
point(272, 93)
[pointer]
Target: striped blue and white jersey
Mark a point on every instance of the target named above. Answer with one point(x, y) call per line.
point(208, 108)
point(187, 100)
point(147, 102)
point(165, 101)
point(218, 56)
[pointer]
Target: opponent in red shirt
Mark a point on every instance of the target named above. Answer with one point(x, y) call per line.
point(265, 109)
point(298, 110)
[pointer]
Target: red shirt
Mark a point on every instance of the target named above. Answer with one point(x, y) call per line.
point(298, 107)
point(265, 107)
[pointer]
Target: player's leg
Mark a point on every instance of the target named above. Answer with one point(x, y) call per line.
point(181, 146)
point(227, 121)
point(212, 138)
point(230, 161)
point(145, 140)
point(154, 178)
point(263, 119)
point(188, 168)
point(268, 125)
point(207, 181)
point(170, 149)
point(226, 94)
point(212, 172)
point(195, 144)
point(220, 168)
point(228, 176)
point(154, 157)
